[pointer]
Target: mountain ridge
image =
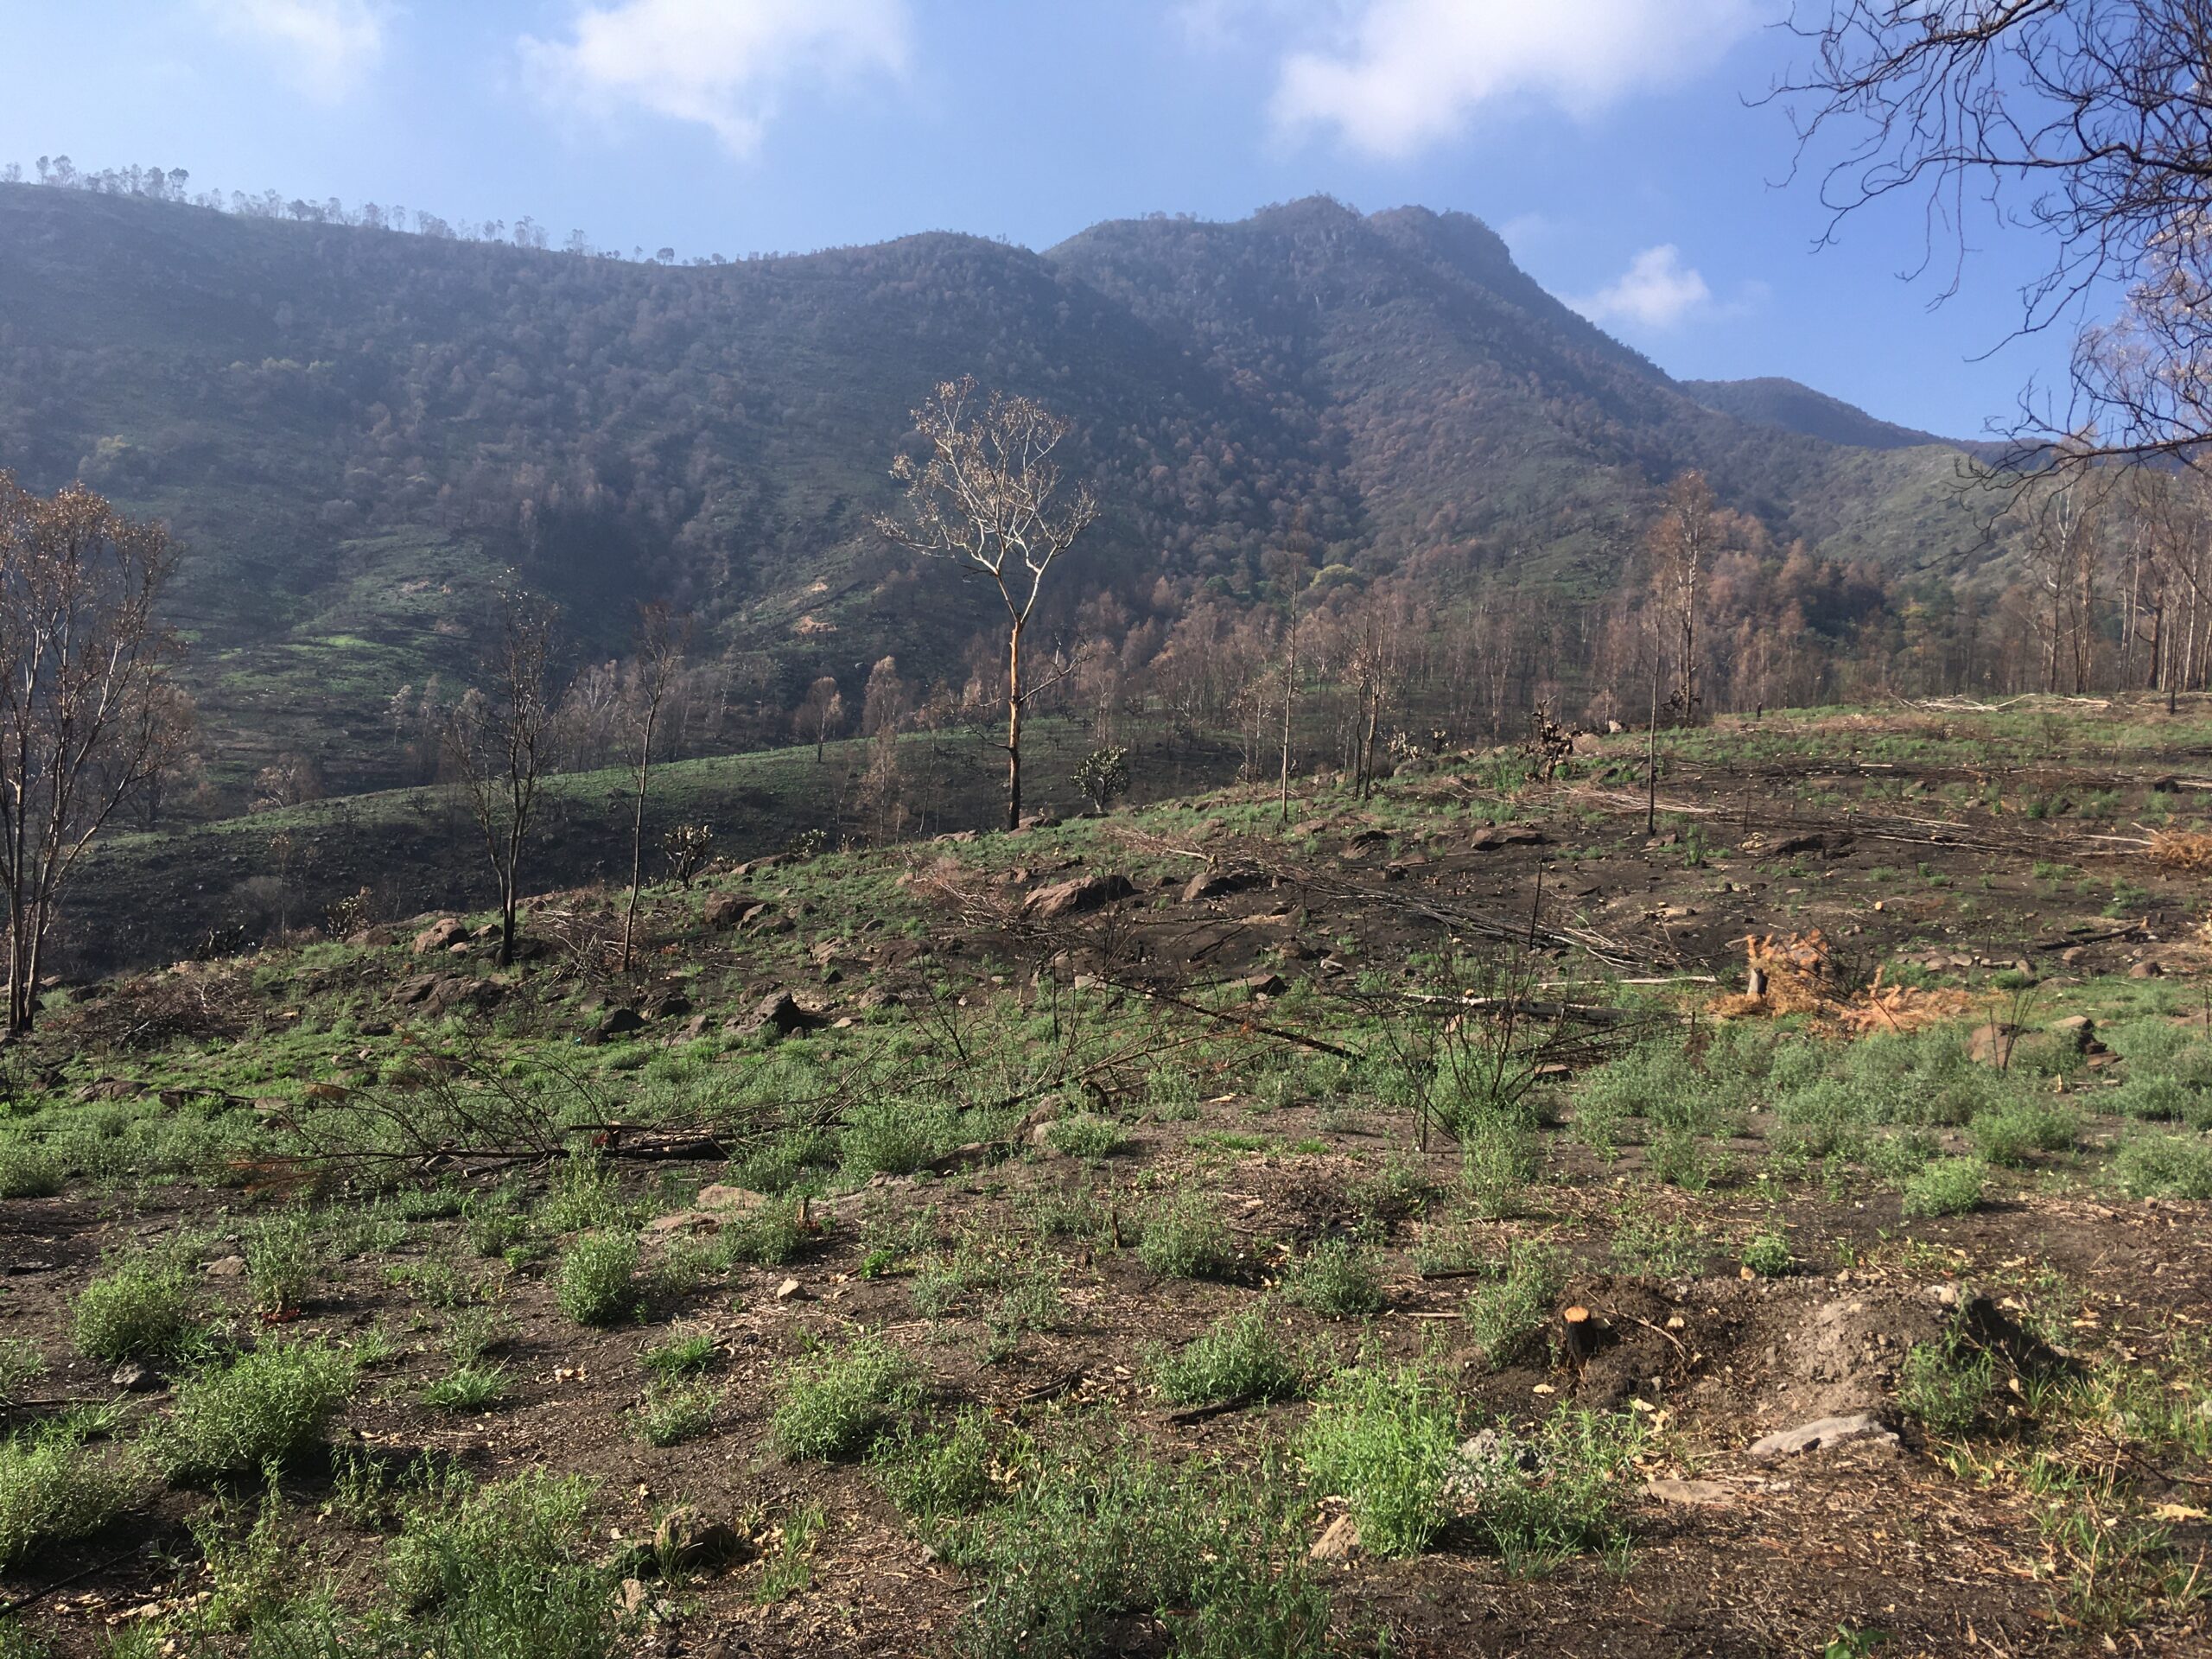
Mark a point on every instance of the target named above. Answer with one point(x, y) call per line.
point(356, 430)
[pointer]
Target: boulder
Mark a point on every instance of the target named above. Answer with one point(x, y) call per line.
point(723, 910)
point(1822, 1434)
point(616, 1023)
point(780, 1012)
point(1212, 884)
point(1336, 1542)
point(1075, 896)
point(441, 935)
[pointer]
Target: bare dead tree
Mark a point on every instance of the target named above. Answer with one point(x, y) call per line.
point(1683, 540)
point(823, 710)
point(1287, 565)
point(87, 712)
point(499, 739)
point(2087, 120)
point(663, 642)
point(987, 496)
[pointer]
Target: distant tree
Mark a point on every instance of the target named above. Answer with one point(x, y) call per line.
point(820, 714)
point(883, 714)
point(1104, 776)
point(288, 780)
point(499, 739)
point(663, 641)
point(86, 710)
point(687, 846)
point(1287, 566)
point(1682, 543)
point(986, 497)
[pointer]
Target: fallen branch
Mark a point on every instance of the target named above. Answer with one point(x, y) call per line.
point(2067, 941)
point(1280, 1034)
point(1590, 1013)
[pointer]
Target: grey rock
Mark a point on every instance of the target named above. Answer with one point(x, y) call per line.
point(1823, 1435)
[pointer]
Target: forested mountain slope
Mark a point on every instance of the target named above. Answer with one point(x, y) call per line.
point(355, 431)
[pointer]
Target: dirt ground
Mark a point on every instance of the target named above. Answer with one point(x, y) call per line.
point(1966, 874)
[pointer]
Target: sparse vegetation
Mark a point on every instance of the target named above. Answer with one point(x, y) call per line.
point(598, 1283)
point(141, 1309)
point(1077, 1365)
point(839, 1402)
point(263, 1407)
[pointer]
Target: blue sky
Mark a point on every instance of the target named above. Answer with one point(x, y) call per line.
point(1610, 141)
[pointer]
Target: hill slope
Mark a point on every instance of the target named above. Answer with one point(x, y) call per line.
point(1774, 400)
point(355, 431)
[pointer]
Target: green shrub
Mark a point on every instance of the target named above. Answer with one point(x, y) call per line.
point(1682, 1158)
point(1336, 1280)
point(143, 1309)
point(1240, 1356)
point(266, 1406)
point(28, 1171)
point(1500, 1159)
point(1095, 1540)
point(2047, 1054)
point(494, 1226)
point(1949, 1186)
point(1897, 1158)
point(1184, 1238)
point(2011, 1136)
point(933, 1475)
point(54, 1489)
point(1945, 1386)
point(672, 1412)
point(20, 1365)
point(788, 1161)
point(1171, 1096)
point(251, 1574)
point(1084, 1135)
point(1384, 1438)
point(1768, 1254)
point(1397, 1191)
point(598, 1280)
point(1507, 1320)
point(768, 1238)
point(837, 1402)
point(1029, 1300)
point(503, 1571)
point(1563, 1490)
point(469, 1386)
point(893, 1136)
point(2166, 1167)
point(585, 1196)
point(1661, 1249)
point(283, 1263)
point(2157, 1098)
point(680, 1356)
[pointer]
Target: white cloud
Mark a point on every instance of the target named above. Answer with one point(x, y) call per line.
point(325, 47)
point(1657, 291)
point(1403, 74)
point(722, 63)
